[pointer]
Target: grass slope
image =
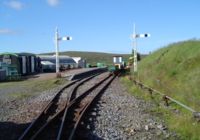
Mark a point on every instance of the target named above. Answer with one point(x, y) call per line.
point(93, 57)
point(175, 71)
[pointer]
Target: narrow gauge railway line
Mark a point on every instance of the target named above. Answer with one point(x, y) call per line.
point(81, 112)
point(54, 128)
point(52, 109)
point(65, 123)
point(78, 108)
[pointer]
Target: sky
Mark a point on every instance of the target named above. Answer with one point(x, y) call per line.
point(96, 25)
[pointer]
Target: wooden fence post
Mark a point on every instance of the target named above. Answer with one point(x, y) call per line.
point(166, 100)
point(150, 92)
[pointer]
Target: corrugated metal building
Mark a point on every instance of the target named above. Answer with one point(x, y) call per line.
point(29, 63)
point(19, 63)
point(9, 63)
point(49, 61)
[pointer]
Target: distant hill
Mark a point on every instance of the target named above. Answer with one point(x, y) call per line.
point(93, 57)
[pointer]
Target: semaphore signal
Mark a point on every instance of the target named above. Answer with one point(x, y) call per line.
point(141, 35)
point(135, 36)
point(57, 39)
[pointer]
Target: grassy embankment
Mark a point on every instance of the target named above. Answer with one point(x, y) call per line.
point(94, 57)
point(175, 71)
point(28, 88)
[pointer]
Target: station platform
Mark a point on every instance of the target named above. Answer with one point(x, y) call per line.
point(82, 73)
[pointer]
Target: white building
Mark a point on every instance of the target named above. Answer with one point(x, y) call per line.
point(81, 63)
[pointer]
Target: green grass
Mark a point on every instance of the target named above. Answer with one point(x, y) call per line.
point(19, 95)
point(94, 57)
point(46, 84)
point(30, 88)
point(181, 122)
point(175, 71)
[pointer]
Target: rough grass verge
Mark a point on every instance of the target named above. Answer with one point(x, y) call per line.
point(176, 118)
point(25, 89)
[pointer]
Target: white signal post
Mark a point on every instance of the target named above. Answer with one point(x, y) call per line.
point(135, 36)
point(57, 39)
point(135, 50)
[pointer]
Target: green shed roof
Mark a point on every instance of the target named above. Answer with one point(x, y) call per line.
point(18, 54)
point(8, 53)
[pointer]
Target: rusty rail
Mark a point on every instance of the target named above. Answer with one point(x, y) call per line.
point(33, 126)
point(40, 122)
point(87, 107)
point(60, 113)
point(72, 104)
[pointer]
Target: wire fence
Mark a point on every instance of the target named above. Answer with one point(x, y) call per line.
point(166, 98)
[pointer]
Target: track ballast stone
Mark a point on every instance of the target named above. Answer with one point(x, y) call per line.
point(120, 115)
point(16, 115)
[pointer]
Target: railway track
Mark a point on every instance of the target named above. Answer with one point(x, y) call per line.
point(60, 120)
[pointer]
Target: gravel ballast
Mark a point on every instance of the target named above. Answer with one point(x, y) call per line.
point(120, 115)
point(16, 115)
point(117, 115)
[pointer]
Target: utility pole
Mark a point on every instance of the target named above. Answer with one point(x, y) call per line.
point(57, 39)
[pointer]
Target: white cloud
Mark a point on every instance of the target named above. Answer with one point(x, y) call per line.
point(15, 4)
point(53, 2)
point(7, 31)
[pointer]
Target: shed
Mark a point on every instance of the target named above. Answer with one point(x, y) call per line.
point(28, 63)
point(65, 61)
point(81, 63)
point(20, 63)
point(2, 75)
point(10, 63)
point(48, 66)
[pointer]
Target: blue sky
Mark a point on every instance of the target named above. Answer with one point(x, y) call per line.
point(96, 25)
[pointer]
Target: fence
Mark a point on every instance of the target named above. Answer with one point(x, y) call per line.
point(165, 97)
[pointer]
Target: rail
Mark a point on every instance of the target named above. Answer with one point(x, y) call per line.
point(34, 127)
point(87, 107)
point(75, 102)
point(39, 130)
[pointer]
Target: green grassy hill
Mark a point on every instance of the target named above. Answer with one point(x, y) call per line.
point(94, 57)
point(175, 71)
